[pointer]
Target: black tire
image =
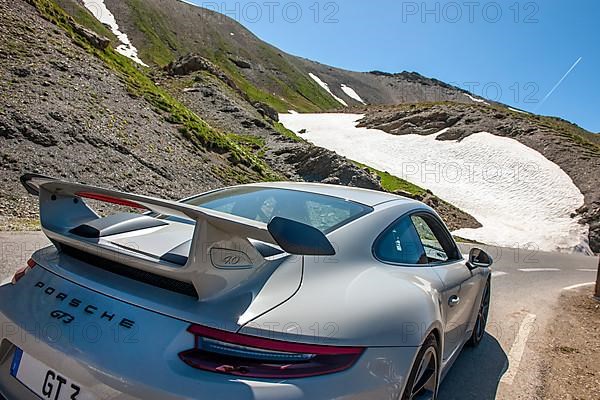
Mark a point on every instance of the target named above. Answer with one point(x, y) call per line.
point(482, 317)
point(423, 381)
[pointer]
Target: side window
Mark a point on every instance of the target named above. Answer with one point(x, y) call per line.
point(400, 244)
point(436, 240)
point(433, 248)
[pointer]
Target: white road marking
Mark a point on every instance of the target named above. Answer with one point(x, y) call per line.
point(518, 348)
point(496, 274)
point(539, 269)
point(579, 285)
point(587, 270)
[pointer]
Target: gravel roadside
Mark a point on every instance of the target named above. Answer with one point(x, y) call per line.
point(572, 352)
point(16, 248)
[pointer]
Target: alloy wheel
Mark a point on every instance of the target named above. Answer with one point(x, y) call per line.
point(482, 316)
point(426, 380)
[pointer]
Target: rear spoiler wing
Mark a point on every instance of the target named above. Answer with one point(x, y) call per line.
point(63, 212)
point(62, 209)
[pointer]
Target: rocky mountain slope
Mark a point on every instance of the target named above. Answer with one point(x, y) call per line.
point(164, 30)
point(66, 113)
point(77, 109)
point(574, 150)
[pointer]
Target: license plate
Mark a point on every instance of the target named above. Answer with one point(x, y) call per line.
point(45, 381)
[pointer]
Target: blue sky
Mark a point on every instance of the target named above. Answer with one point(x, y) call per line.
point(509, 51)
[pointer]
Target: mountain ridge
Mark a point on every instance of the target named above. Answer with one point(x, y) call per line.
point(164, 30)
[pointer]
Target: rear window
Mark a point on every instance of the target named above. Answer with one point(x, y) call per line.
point(325, 213)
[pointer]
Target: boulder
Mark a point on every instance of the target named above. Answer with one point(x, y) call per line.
point(315, 164)
point(190, 63)
point(241, 63)
point(98, 41)
point(266, 111)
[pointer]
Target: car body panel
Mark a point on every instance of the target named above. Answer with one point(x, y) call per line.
point(223, 312)
point(355, 306)
point(122, 337)
point(142, 363)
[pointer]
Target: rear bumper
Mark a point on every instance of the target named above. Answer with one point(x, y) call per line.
point(112, 361)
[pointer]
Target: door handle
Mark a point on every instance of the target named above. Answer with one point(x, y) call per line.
point(454, 300)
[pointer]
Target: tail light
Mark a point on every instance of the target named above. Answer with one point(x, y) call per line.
point(22, 271)
point(111, 199)
point(254, 357)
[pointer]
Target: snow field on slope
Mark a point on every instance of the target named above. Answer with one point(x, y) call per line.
point(521, 198)
point(326, 87)
point(102, 14)
point(352, 93)
point(476, 99)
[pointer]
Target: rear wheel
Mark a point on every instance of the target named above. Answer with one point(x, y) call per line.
point(423, 380)
point(482, 317)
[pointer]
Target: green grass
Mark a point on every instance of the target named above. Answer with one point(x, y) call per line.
point(293, 89)
point(84, 17)
point(392, 183)
point(162, 44)
point(290, 100)
point(283, 131)
point(162, 47)
point(576, 134)
point(191, 126)
point(250, 141)
point(300, 94)
point(298, 89)
point(253, 93)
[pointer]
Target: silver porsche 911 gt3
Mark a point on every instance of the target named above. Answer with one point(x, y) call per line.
point(262, 291)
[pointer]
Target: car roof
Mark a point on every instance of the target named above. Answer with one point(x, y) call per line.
point(364, 196)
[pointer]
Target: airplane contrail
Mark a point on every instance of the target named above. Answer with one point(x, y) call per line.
point(559, 82)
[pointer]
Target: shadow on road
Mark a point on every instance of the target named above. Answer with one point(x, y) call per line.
point(476, 373)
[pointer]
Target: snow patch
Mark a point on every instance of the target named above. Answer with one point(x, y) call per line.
point(476, 99)
point(352, 93)
point(292, 111)
point(102, 14)
point(520, 197)
point(326, 87)
point(519, 111)
point(191, 4)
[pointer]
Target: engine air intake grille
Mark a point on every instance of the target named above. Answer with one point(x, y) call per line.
point(172, 285)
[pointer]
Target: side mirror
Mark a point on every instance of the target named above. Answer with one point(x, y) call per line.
point(479, 259)
point(299, 239)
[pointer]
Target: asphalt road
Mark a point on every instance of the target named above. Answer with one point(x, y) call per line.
point(526, 286)
point(525, 292)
